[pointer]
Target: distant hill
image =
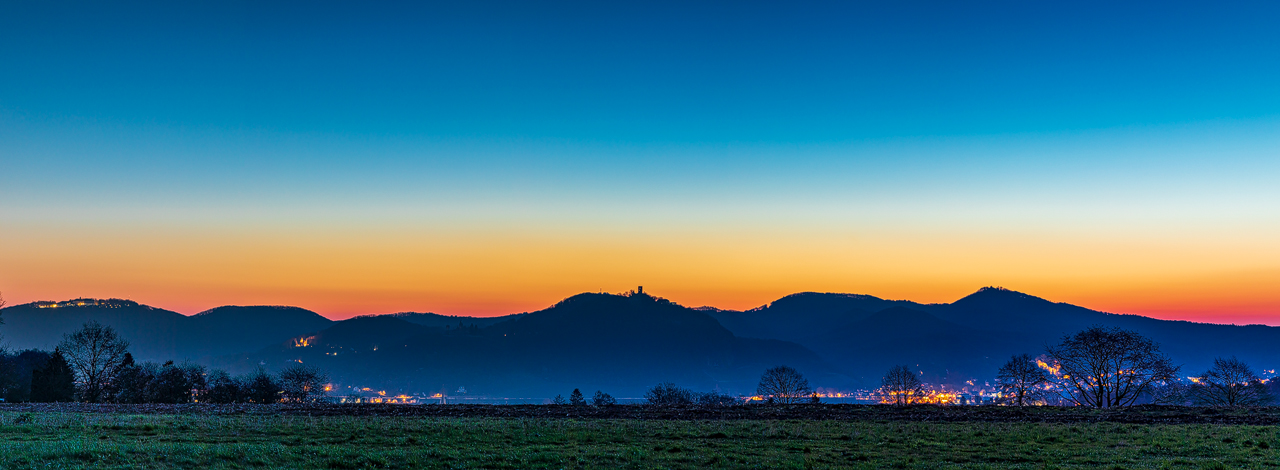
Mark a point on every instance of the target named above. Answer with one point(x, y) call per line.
point(621, 344)
point(158, 334)
point(972, 337)
point(452, 321)
point(802, 315)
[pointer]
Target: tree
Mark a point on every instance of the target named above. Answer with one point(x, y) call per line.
point(1230, 382)
point(902, 385)
point(177, 383)
point(576, 398)
point(260, 387)
point(1109, 367)
point(54, 382)
point(1022, 380)
point(8, 374)
point(784, 384)
point(558, 400)
point(223, 388)
point(130, 384)
point(2, 347)
point(668, 394)
point(21, 366)
point(303, 384)
point(717, 400)
point(603, 399)
point(95, 352)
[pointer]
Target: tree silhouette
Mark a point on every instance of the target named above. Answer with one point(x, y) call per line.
point(1230, 382)
point(1109, 367)
point(603, 399)
point(717, 400)
point(558, 400)
point(261, 387)
point(668, 394)
point(302, 384)
point(576, 398)
point(177, 383)
point(784, 384)
point(223, 388)
point(95, 352)
point(902, 385)
point(55, 382)
point(2, 350)
point(1022, 380)
point(20, 367)
point(129, 384)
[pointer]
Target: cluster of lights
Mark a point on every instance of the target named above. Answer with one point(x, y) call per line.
point(369, 395)
point(106, 303)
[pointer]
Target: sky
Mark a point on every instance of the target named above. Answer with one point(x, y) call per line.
point(486, 158)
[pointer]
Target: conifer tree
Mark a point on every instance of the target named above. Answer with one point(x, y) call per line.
point(576, 398)
point(54, 382)
point(129, 383)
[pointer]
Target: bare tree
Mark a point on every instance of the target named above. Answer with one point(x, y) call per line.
point(1230, 382)
point(94, 352)
point(302, 384)
point(1021, 380)
point(784, 384)
point(902, 385)
point(668, 394)
point(1108, 367)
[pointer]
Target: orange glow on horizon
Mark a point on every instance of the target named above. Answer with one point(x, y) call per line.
point(493, 272)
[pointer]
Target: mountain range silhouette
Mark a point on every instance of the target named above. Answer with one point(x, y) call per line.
point(625, 343)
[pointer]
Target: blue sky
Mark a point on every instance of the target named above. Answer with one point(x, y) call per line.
point(642, 72)
point(1142, 134)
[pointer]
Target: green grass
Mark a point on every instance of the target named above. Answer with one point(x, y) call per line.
point(75, 440)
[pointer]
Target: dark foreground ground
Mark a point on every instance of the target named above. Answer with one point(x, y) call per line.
point(824, 436)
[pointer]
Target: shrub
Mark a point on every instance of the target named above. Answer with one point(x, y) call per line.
point(717, 400)
point(668, 394)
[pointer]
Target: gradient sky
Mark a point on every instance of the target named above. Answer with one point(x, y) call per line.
point(487, 158)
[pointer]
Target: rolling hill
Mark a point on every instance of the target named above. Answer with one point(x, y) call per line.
point(969, 339)
point(621, 344)
point(158, 334)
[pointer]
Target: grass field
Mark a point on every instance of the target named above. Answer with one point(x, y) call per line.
point(104, 440)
